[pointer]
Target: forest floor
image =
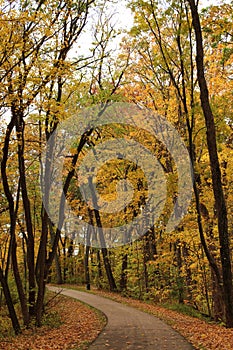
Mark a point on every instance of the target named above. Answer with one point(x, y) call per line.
point(68, 325)
point(74, 326)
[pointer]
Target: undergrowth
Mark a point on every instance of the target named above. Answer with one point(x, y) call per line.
point(186, 310)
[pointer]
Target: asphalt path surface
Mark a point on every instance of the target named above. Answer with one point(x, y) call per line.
point(127, 327)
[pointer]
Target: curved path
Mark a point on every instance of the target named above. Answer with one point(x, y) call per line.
point(127, 327)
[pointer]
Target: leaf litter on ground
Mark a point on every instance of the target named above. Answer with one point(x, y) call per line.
point(81, 325)
point(75, 326)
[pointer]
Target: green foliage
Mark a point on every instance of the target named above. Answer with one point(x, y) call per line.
point(186, 310)
point(5, 323)
point(13, 289)
point(51, 319)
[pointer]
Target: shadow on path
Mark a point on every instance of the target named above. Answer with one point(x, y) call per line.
point(128, 328)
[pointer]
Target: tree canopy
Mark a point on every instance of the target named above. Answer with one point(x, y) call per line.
point(175, 63)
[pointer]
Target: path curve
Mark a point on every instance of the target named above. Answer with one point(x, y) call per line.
point(128, 328)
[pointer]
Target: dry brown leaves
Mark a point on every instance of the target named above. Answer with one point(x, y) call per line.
point(80, 326)
point(201, 334)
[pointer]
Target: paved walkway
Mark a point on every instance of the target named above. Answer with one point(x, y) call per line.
point(128, 328)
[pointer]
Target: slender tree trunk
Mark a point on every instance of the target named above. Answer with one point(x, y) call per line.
point(40, 269)
point(180, 280)
point(152, 242)
point(104, 250)
point(138, 272)
point(12, 246)
point(27, 210)
point(86, 268)
point(100, 273)
point(24, 264)
point(108, 269)
point(217, 300)
point(86, 259)
point(188, 273)
point(65, 260)
point(19, 284)
point(215, 170)
point(56, 256)
point(9, 302)
point(146, 258)
point(58, 269)
point(123, 279)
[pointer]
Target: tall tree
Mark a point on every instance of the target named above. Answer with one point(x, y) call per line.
point(215, 169)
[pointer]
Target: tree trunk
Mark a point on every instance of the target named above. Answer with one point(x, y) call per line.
point(12, 213)
point(108, 269)
point(19, 284)
point(86, 259)
point(123, 279)
point(9, 302)
point(27, 210)
point(217, 300)
point(104, 250)
point(100, 273)
point(58, 269)
point(188, 272)
point(146, 258)
point(40, 268)
point(86, 268)
point(179, 281)
point(215, 171)
point(56, 256)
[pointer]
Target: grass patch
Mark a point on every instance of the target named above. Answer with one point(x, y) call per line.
point(186, 310)
point(52, 319)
